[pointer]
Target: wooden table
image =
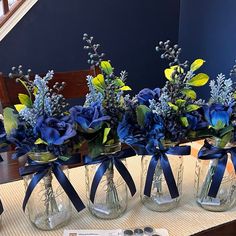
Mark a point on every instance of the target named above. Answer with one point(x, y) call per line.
point(9, 172)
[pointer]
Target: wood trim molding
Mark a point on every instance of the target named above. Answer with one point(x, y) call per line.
point(16, 17)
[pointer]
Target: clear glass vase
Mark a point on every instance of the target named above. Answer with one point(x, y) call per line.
point(160, 198)
point(205, 169)
point(48, 206)
point(111, 197)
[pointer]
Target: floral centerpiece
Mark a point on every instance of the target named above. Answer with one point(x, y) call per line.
point(97, 121)
point(41, 129)
point(156, 121)
point(215, 172)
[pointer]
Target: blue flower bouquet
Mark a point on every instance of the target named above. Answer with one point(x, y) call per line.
point(156, 121)
point(107, 177)
point(215, 181)
point(41, 129)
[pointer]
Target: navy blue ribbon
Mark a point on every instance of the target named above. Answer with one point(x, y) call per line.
point(209, 152)
point(1, 207)
point(165, 165)
point(106, 160)
point(41, 169)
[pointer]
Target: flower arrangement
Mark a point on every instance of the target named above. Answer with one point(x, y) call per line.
point(97, 121)
point(40, 128)
point(156, 121)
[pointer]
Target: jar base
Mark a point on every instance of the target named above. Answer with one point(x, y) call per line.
point(52, 222)
point(160, 204)
point(214, 204)
point(102, 211)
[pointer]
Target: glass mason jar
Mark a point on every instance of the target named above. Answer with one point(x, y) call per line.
point(205, 169)
point(160, 198)
point(111, 196)
point(48, 206)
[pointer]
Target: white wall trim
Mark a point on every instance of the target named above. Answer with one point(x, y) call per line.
point(16, 17)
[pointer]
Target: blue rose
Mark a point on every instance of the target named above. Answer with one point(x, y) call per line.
point(217, 115)
point(196, 120)
point(147, 94)
point(54, 131)
point(89, 119)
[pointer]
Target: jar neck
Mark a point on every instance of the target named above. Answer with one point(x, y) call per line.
point(42, 157)
point(111, 148)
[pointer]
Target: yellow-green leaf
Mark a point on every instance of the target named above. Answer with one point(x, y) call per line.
point(99, 82)
point(25, 99)
point(40, 141)
point(105, 134)
point(199, 80)
point(180, 102)
point(196, 64)
point(10, 120)
point(35, 91)
point(119, 82)
point(125, 88)
point(173, 106)
point(19, 107)
point(106, 67)
point(169, 72)
point(189, 93)
point(184, 121)
point(192, 107)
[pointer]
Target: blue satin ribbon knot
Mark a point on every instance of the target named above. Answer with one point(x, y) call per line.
point(209, 152)
point(105, 161)
point(165, 165)
point(41, 169)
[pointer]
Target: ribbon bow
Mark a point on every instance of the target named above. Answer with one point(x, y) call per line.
point(40, 170)
point(170, 180)
point(105, 161)
point(209, 152)
point(1, 208)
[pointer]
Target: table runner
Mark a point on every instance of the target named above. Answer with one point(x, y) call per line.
point(187, 219)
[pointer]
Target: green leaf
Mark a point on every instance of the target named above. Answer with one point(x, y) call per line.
point(141, 113)
point(180, 102)
point(173, 106)
point(10, 120)
point(184, 121)
point(35, 91)
point(95, 148)
point(19, 107)
point(119, 82)
point(192, 107)
point(40, 141)
point(199, 80)
point(106, 67)
point(105, 135)
point(99, 82)
point(64, 158)
point(189, 93)
point(225, 139)
point(219, 125)
point(224, 131)
point(125, 88)
point(25, 99)
point(196, 64)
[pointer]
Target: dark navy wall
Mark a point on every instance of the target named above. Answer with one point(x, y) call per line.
point(208, 30)
point(50, 36)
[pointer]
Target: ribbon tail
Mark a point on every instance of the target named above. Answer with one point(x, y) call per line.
point(170, 179)
point(1, 207)
point(97, 178)
point(150, 174)
point(68, 188)
point(217, 177)
point(35, 180)
point(126, 176)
